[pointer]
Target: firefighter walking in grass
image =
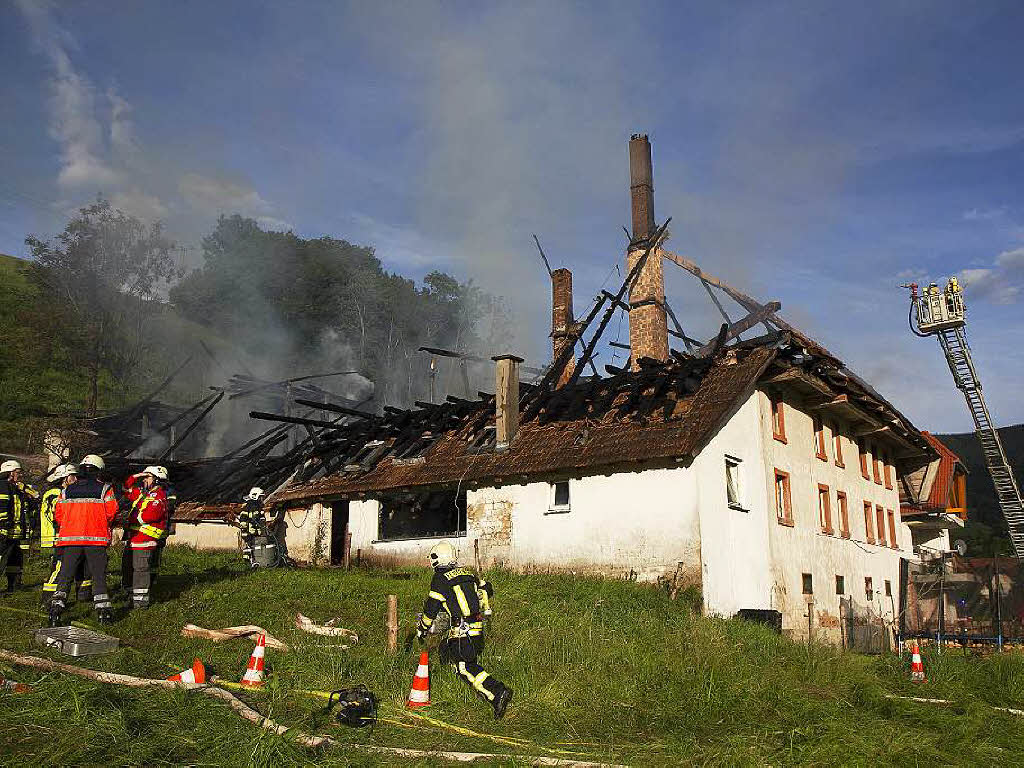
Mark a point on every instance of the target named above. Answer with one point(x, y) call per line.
point(61, 477)
point(16, 501)
point(84, 514)
point(144, 528)
point(458, 591)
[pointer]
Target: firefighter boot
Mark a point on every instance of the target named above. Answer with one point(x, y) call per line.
point(56, 609)
point(105, 616)
point(501, 702)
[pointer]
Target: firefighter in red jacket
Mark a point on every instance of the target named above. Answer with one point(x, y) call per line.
point(84, 514)
point(146, 523)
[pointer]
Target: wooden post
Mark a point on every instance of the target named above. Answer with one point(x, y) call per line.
point(346, 555)
point(359, 558)
point(476, 556)
point(392, 623)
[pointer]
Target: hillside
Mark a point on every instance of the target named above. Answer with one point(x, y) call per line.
point(606, 671)
point(982, 506)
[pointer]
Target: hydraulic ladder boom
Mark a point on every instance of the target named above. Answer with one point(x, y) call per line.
point(942, 314)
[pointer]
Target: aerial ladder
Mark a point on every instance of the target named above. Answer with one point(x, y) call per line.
point(941, 312)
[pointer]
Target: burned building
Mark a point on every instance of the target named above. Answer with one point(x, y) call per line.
point(763, 472)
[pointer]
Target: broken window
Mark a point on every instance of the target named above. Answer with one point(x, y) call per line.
point(778, 418)
point(423, 514)
point(808, 583)
point(869, 591)
point(824, 509)
point(783, 500)
point(732, 482)
point(844, 515)
point(819, 439)
point(559, 497)
point(840, 585)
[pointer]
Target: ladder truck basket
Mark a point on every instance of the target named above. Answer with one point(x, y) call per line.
point(938, 310)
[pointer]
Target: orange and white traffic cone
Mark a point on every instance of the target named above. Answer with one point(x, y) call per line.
point(419, 696)
point(253, 677)
point(197, 674)
point(916, 665)
point(13, 686)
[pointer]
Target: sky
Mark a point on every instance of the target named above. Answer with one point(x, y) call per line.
point(814, 153)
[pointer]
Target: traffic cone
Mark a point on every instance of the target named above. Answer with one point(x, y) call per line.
point(916, 665)
point(253, 677)
point(197, 674)
point(14, 686)
point(419, 696)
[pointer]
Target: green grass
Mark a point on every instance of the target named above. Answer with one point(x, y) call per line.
point(614, 667)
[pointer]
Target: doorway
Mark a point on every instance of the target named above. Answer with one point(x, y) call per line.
point(339, 527)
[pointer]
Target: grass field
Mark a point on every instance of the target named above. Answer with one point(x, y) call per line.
point(609, 669)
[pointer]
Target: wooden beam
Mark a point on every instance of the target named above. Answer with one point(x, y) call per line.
point(744, 324)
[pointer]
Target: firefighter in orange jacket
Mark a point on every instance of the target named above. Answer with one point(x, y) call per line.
point(84, 514)
point(146, 523)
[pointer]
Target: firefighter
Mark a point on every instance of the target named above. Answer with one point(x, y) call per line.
point(457, 591)
point(17, 500)
point(61, 477)
point(84, 514)
point(251, 522)
point(145, 525)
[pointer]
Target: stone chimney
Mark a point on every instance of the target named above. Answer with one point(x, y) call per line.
point(648, 324)
point(562, 322)
point(506, 399)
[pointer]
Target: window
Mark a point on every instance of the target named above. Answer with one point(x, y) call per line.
point(732, 482)
point(559, 497)
point(840, 585)
point(874, 466)
point(863, 452)
point(837, 445)
point(844, 515)
point(824, 509)
point(888, 473)
point(819, 439)
point(888, 588)
point(778, 418)
point(869, 591)
point(808, 583)
point(869, 527)
point(783, 500)
point(880, 528)
point(407, 515)
point(892, 528)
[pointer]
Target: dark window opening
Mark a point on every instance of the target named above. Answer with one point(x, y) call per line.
point(408, 515)
point(869, 591)
point(840, 585)
point(339, 529)
point(808, 584)
point(560, 494)
point(888, 588)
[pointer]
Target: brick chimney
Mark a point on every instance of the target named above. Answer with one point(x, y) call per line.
point(562, 320)
point(648, 324)
point(506, 399)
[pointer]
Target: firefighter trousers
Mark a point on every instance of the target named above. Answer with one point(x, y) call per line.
point(12, 559)
point(96, 563)
point(84, 582)
point(462, 652)
point(142, 572)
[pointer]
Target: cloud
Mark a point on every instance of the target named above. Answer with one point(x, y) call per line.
point(1002, 283)
point(984, 214)
point(206, 193)
point(139, 204)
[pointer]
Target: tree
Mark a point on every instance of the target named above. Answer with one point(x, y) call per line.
point(102, 270)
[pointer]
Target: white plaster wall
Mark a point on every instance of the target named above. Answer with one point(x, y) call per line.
point(205, 536)
point(803, 548)
point(734, 547)
point(363, 521)
point(644, 521)
point(308, 534)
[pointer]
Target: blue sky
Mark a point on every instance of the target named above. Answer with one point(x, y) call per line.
point(814, 153)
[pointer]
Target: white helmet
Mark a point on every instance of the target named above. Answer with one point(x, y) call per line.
point(92, 460)
point(9, 466)
point(160, 473)
point(443, 553)
point(255, 494)
point(59, 473)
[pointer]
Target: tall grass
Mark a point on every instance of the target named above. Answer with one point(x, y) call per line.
point(607, 668)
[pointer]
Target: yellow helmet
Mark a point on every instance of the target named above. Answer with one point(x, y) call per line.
point(443, 553)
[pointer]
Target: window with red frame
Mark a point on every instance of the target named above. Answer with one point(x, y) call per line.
point(888, 472)
point(869, 526)
point(892, 529)
point(824, 509)
point(783, 498)
point(837, 445)
point(819, 439)
point(778, 418)
point(863, 452)
point(880, 527)
point(875, 466)
point(844, 514)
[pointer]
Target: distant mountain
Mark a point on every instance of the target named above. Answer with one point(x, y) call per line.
point(984, 517)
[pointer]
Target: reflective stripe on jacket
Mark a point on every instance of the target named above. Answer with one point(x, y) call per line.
point(147, 518)
point(455, 590)
point(47, 523)
point(84, 513)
